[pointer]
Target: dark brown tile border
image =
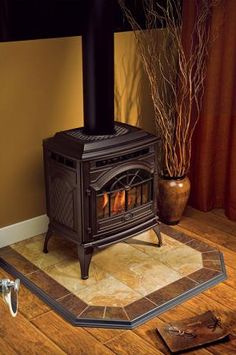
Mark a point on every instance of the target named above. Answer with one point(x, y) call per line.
point(137, 308)
point(5, 250)
point(73, 304)
point(115, 313)
point(181, 237)
point(203, 275)
point(171, 291)
point(212, 264)
point(93, 312)
point(211, 255)
point(200, 246)
point(47, 284)
point(19, 262)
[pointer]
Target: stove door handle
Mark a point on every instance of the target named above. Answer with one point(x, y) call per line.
point(128, 216)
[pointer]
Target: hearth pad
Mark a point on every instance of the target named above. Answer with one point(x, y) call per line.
point(130, 282)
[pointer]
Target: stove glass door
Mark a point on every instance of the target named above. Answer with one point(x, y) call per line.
point(125, 192)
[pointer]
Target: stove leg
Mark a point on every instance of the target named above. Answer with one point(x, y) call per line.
point(48, 235)
point(158, 234)
point(85, 255)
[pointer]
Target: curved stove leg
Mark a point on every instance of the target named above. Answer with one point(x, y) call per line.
point(158, 234)
point(85, 255)
point(48, 236)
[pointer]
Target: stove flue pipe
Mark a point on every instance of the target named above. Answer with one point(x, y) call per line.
point(98, 68)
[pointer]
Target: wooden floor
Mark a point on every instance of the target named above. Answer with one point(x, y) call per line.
point(38, 330)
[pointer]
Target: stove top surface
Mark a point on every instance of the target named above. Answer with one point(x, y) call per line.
point(79, 134)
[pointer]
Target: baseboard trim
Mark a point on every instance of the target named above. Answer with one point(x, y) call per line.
point(23, 230)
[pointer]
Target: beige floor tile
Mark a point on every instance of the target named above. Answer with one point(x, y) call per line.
point(119, 256)
point(59, 250)
point(173, 253)
point(147, 243)
point(67, 273)
point(146, 277)
point(183, 259)
point(119, 274)
point(135, 268)
point(27, 241)
point(153, 275)
point(108, 292)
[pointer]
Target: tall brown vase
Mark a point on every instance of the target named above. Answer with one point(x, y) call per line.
point(172, 198)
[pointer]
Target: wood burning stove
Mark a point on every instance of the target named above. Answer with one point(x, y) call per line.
point(101, 179)
point(100, 189)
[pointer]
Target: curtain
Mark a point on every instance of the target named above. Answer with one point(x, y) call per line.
point(213, 165)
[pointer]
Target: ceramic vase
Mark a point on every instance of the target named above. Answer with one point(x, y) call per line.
point(172, 198)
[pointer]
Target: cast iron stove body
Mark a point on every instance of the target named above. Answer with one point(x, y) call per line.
point(101, 179)
point(100, 189)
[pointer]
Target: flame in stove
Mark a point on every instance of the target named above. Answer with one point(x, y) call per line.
point(105, 200)
point(119, 202)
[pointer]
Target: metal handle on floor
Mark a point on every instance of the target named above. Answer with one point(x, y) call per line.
point(9, 290)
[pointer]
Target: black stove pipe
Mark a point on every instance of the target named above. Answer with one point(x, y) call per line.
point(98, 68)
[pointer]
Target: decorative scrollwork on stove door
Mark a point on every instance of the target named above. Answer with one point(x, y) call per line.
point(109, 175)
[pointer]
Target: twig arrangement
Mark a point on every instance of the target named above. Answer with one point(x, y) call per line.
point(176, 75)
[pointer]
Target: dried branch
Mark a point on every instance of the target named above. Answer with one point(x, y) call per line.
point(176, 76)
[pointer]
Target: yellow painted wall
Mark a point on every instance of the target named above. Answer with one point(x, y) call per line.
point(133, 102)
point(41, 93)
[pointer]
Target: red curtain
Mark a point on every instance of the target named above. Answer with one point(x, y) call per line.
point(213, 166)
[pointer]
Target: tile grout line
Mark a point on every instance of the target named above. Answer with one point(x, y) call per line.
point(208, 268)
point(104, 312)
point(117, 279)
point(166, 263)
point(83, 310)
point(155, 304)
point(126, 313)
point(210, 251)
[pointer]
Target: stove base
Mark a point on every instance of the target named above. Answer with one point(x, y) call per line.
point(85, 251)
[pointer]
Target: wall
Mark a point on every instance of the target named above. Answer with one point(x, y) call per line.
point(41, 93)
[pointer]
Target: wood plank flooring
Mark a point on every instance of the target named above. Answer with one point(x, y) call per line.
point(38, 330)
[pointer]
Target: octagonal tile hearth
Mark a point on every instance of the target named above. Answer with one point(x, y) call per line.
point(130, 282)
